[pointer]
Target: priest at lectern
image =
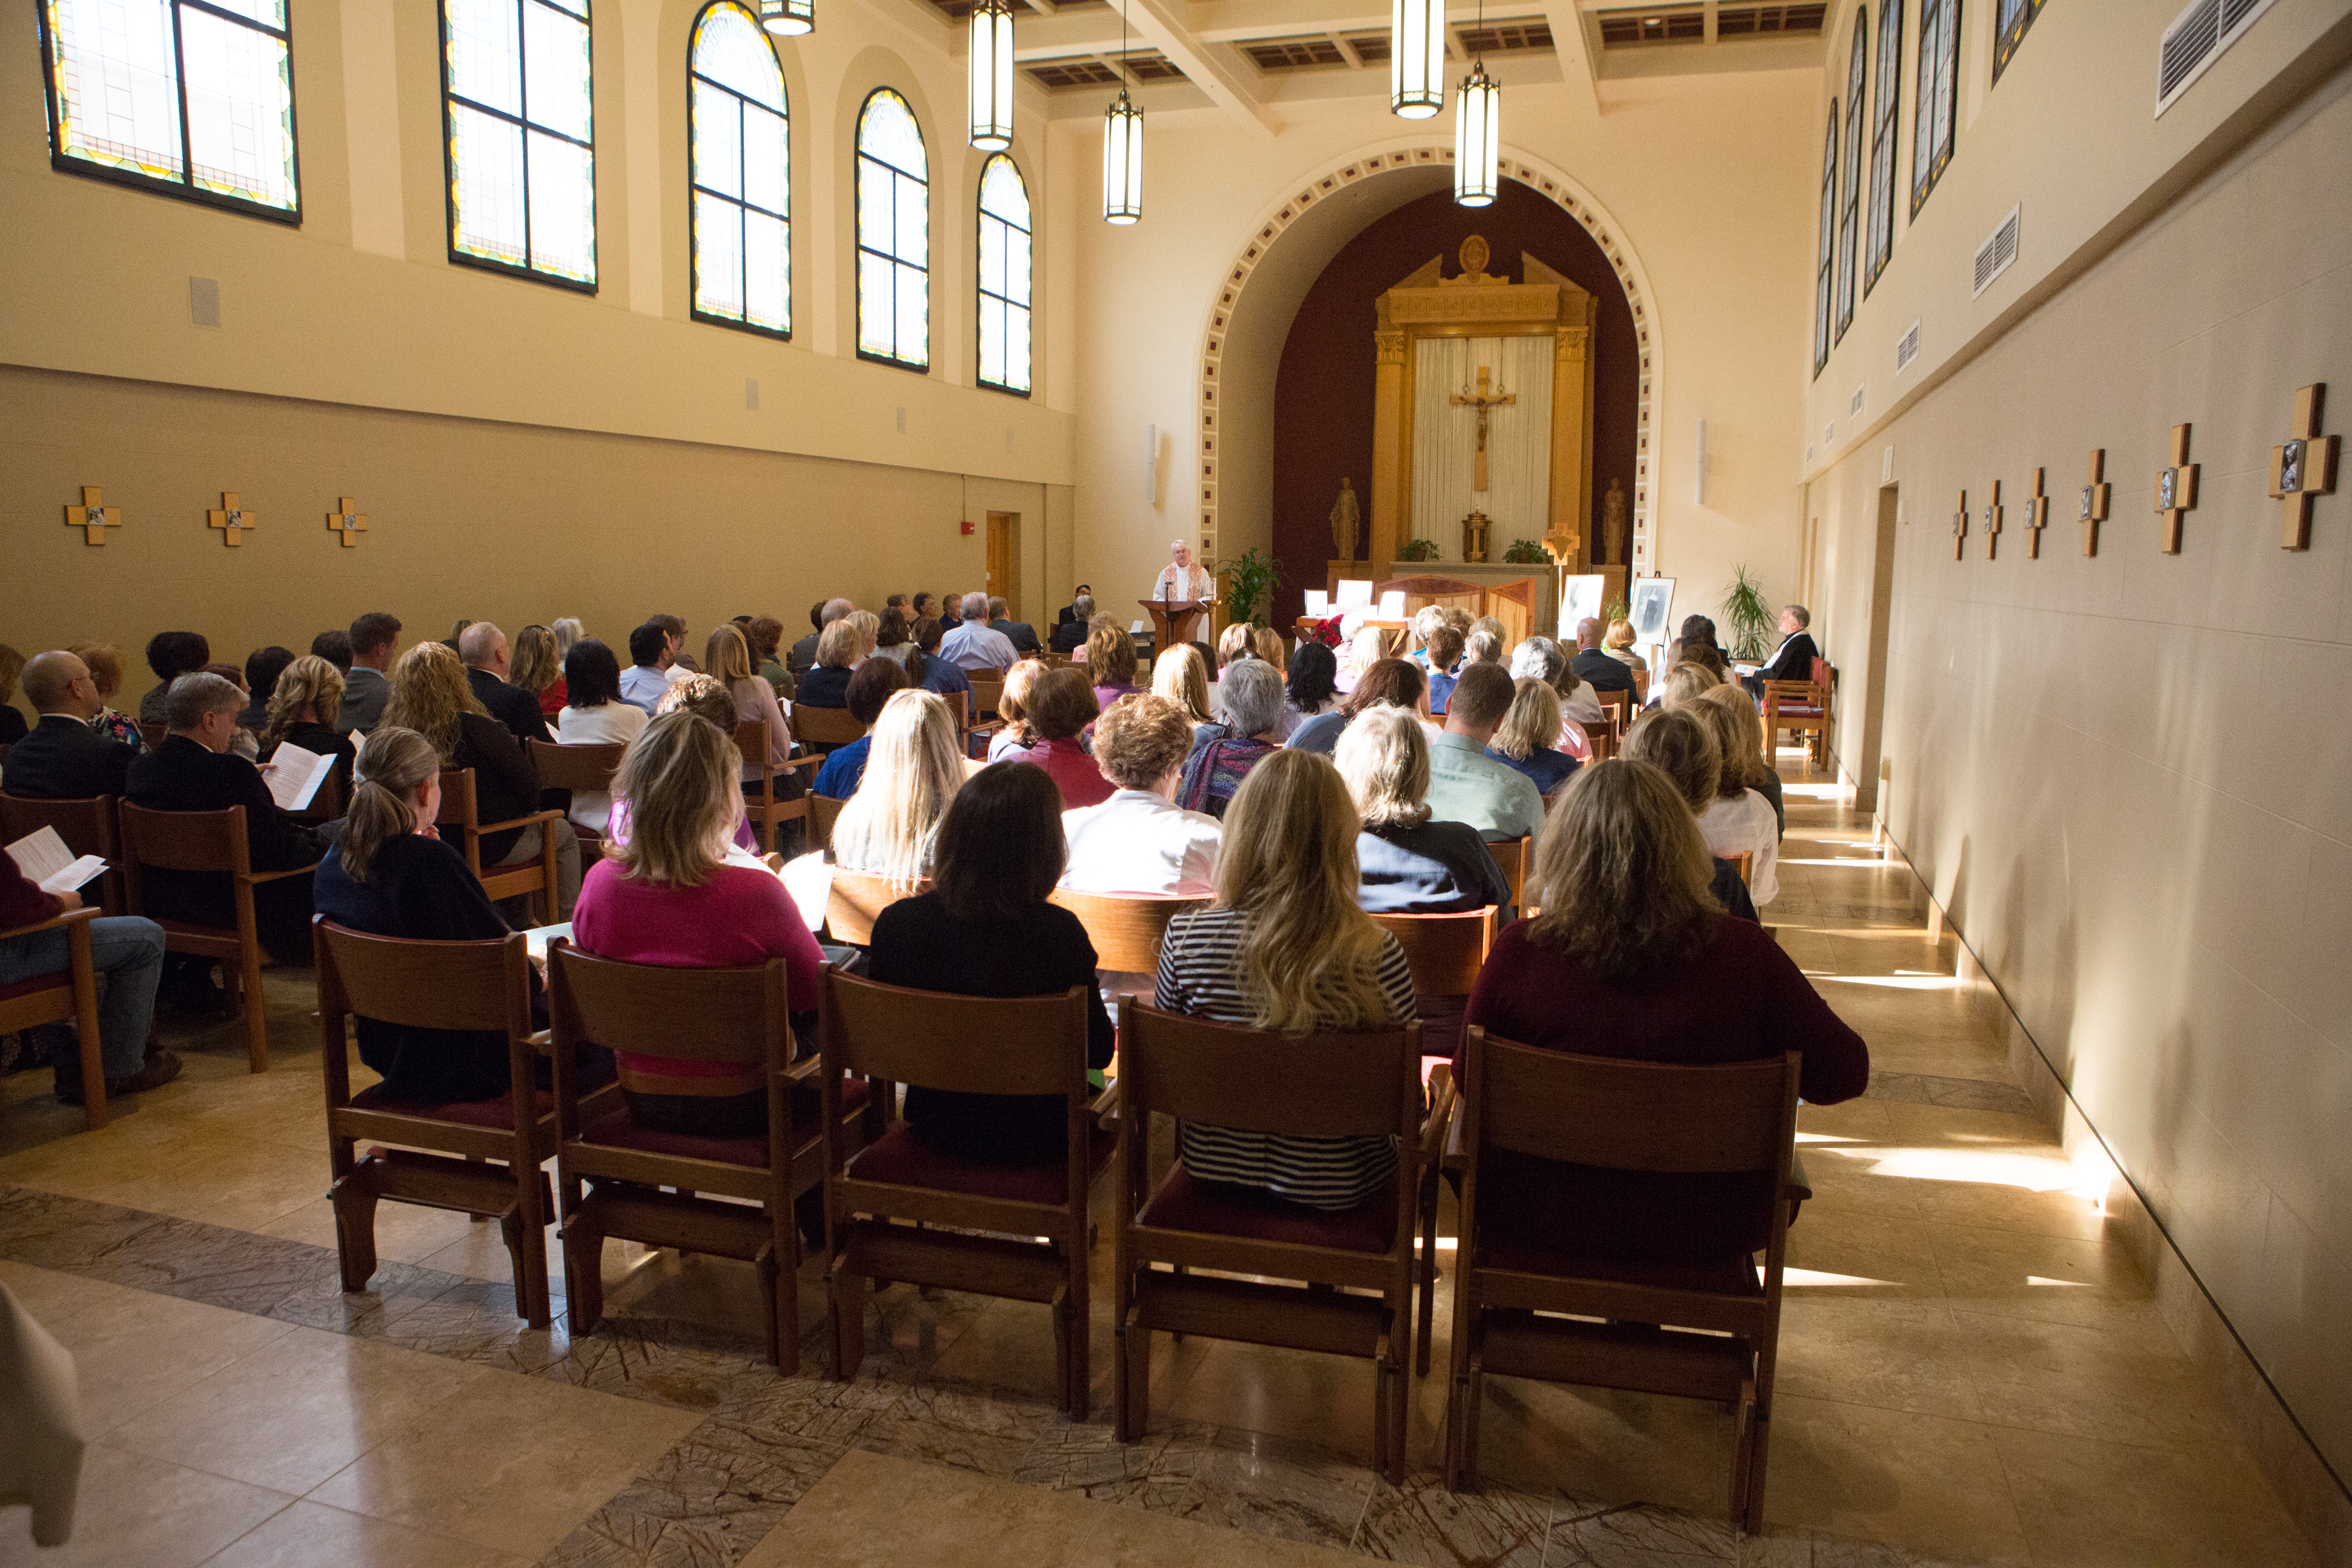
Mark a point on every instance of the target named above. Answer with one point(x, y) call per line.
point(1182, 579)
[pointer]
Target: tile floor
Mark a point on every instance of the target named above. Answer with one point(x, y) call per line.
point(1972, 1370)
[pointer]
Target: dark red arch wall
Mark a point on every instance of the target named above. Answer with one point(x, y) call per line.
point(1323, 391)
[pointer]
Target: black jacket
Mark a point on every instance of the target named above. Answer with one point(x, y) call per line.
point(1023, 635)
point(506, 781)
point(12, 725)
point(1793, 660)
point(1601, 672)
point(64, 759)
point(1069, 637)
point(517, 709)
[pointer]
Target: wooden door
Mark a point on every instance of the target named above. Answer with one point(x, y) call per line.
point(1005, 556)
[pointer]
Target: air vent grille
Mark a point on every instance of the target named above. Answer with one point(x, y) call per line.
point(2196, 40)
point(1372, 49)
point(1525, 35)
point(1055, 74)
point(1294, 54)
point(1748, 21)
point(1996, 253)
point(1684, 24)
point(1906, 349)
point(1853, 409)
point(1829, 434)
point(1152, 66)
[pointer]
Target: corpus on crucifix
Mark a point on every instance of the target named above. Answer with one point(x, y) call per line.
point(1485, 400)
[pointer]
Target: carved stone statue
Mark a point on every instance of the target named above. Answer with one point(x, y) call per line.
point(1345, 516)
point(1474, 537)
point(1612, 523)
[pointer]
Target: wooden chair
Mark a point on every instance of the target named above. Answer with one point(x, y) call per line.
point(1038, 1045)
point(1641, 688)
point(1745, 860)
point(1445, 953)
point(823, 810)
point(859, 897)
point(986, 688)
point(152, 733)
point(68, 994)
point(700, 1015)
point(822, 729)
point(1318, 1086)
point(768, 812)
point(1801, 707)
point(590, 767)
point(536, 877)
point(1702, 1331)
point(1617, 708)
point(1127, 931)
point(326, 806)
point(444, 1151)
point(211, 841)
point(1517, 856)
point(89, 827)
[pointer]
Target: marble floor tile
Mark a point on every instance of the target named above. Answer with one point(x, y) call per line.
point(309, 1534)
point(2177, 1509)
point(1324, 1399)
point(1605, 1444)
point(1421, 1521)
point(142, 1512)
point(476, 1321)
point(1643, 1538)
point(404, 1233)
point(2126, 1382)
point(1275, 1486)
point(965, 1431)
point(1896, 1477)
point(2020, 1275)
point(1894, 1354)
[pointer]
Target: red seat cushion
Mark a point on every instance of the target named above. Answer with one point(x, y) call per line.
point(37, 984)
point(1732, 1275)
point(622, 1130)
point(492, 1113)
point(902, 1159)
point(1218, 1208)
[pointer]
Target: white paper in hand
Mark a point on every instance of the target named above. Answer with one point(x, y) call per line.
point(43, 857)
point(296, 774)
point(810, 882)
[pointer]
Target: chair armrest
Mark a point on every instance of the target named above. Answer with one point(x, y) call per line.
point(812, 762)
point(257, 878)
point(989, 727)
point(55, 923)
point(805, 1070)
point(533, 820)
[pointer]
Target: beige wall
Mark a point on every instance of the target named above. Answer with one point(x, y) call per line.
point(2127, 776)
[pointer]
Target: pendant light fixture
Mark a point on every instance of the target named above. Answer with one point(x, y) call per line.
point(1477, 138)
point(1417, 57)
point(787, 18)
point(1122, 146)
point(992, 76)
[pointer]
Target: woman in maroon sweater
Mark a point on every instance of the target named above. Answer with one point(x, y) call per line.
point(1632, 957)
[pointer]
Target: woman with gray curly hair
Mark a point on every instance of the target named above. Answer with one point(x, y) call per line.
point(1547, 661)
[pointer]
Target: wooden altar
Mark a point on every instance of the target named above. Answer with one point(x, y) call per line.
point(1522, 602)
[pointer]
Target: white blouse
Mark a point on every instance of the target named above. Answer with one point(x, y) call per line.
point(598, 726)
point(1747, 825)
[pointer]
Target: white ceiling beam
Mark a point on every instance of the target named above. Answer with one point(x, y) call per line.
point(1165, 24)
point(1575, 54)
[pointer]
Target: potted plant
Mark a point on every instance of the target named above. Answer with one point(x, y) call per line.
point(1250, 582)
point(1524, 552)
point(1419, 550)
point(1751, 618)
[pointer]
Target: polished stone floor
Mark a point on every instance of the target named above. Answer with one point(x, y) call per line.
point(1972, 1368)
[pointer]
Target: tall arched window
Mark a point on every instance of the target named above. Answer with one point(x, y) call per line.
point(193, 99)
point(2009, 31)
point(1827, 245)
point(1004, 276)
point(1883, 141)
point(1936, 115)
point(894, 235)
point(518, 93)
point(1848, 245)
point(740, 172)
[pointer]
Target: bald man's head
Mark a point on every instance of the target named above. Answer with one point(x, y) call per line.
point(1588, 632)
point(484, 646)
point(57, 682)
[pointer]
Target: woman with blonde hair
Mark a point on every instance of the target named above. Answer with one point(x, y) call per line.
point(839, 648)
point(568, 632)
point(537, 667)
point(1017, 737)
point(1755, 762)
point(1110, 664)
point(301, 711)
point(1739, 819)
point(104, 662)
point(1528, 730)
point(1235, 642)
point(1367, 648)
point(431, 696)
point(1180, 676)
point(1266, 643)
point(1286, 947)
point(1407, 863)
point(1631, 958)
point(675, 895)
point(891, 825)
point(869, 630)
point(1687, 682)
point(726, 659)
point(1618, 643)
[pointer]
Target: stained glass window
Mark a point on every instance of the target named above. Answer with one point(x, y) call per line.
point(191, 96)
point(1004, 276)
point(1882, 139)
point(521, 136)
point(1849, 242)
point(1936, 115)
point(2009, 31)
point(741, 173)
point(1828, 239)
point(894, 235)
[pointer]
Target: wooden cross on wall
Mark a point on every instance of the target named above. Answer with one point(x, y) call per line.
point(231, 520)
point(2037, 518)
point(2094, 500)
point(1960, 530)
point(2176, 490)
point(1993, 515)
point(2303, 468)
point(348, 521)
point(93, 517)
point(1485, 401)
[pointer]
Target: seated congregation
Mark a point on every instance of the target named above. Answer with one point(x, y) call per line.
point(1365, 923)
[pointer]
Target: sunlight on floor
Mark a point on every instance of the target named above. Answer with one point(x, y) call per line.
point(1793, 1279)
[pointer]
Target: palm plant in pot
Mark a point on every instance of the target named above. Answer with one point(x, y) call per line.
point(1250, 582)
point(1751, 617)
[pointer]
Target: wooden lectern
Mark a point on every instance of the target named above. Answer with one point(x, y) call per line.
point(1171, 620)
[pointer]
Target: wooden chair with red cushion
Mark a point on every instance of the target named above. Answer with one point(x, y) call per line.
point(71, 994)
point(768, 809)
point(1801, 707)
point(823, 812)
point(461, 816)
point(884, 1204)
point(857, 900)
point(588, 767)
point(89, 827)
point(1316, 1086)
point(822, 729)
point(480, 1157)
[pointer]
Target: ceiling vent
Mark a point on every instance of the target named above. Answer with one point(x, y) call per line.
point(1752, 21)
point(1906, 349)
point(2196, 40)
point(1994, 256)
point(1054, 75)
point(1521, 35)
point(1652, 25)
point(1372, 49)
point(1853, 409)
point(1294, 54)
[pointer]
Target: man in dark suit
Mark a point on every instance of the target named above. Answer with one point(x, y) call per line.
point(63, 758)
point(1594, 668)
point(1023, 635)
point(194, 770)
point(488, 658)
point(1793, 660)
point(366, 689)
point(1070, 611)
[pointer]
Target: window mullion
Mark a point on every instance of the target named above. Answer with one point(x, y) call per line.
point(180, 91)
point(283, 35)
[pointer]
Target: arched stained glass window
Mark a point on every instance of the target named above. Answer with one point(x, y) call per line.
point(894, 235)
point(1827, 244)
point(1883, 141)
point(740, 173)
point(1005, 275)
point(194, 97)
point(1849, 243)
point(1936, 115)
point(519, 102)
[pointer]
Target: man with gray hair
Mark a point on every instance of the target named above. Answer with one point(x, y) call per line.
point(1071, 635)
point(974, 644)
point(195, 770)
point(1793, 659)
point(1249, 709)
point(803, 657)
point(488, 658)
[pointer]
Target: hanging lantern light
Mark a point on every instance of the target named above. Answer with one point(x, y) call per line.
point(1122, 161)
point(1477, 138)
point(1417, 57)
point(787, 18)
point(992, 76)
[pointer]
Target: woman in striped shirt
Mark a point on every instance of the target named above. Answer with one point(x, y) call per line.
point(1285, 947)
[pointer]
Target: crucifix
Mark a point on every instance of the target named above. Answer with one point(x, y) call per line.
point(1960, 530)
point(2303, 468)
point(2037, 517)
point(2176, 490)
point(1992, 523)
point(1485, 400)
point(2094, 500)
point(93, 517)
point(231, 520)
point(347, 520)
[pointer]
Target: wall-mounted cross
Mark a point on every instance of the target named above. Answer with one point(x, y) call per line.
point(2094, 500)
point(2176, 490)
point(93, 517)
point(2037, 518)
point(348, 521)
point(231, 520)
point(2303, 468)
point(1960, 530)
point(1993, 515)
point(1486, 400)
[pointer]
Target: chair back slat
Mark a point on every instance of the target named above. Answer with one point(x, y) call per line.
point(1514, 855)
point(972, 1045)
point(184, 840)
point(1627, 1115)
point(857, 900)
point(751, 743)
point(695, 1015)
point(457, 809)
point(1127, 931)
point(823, 810)
point(1331, 1085)
point(426, 984)
point(590, 767)
point(1745, 860)
point(89, 827)
point(1443, 952)
point(824, 727)
point(986, 692)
